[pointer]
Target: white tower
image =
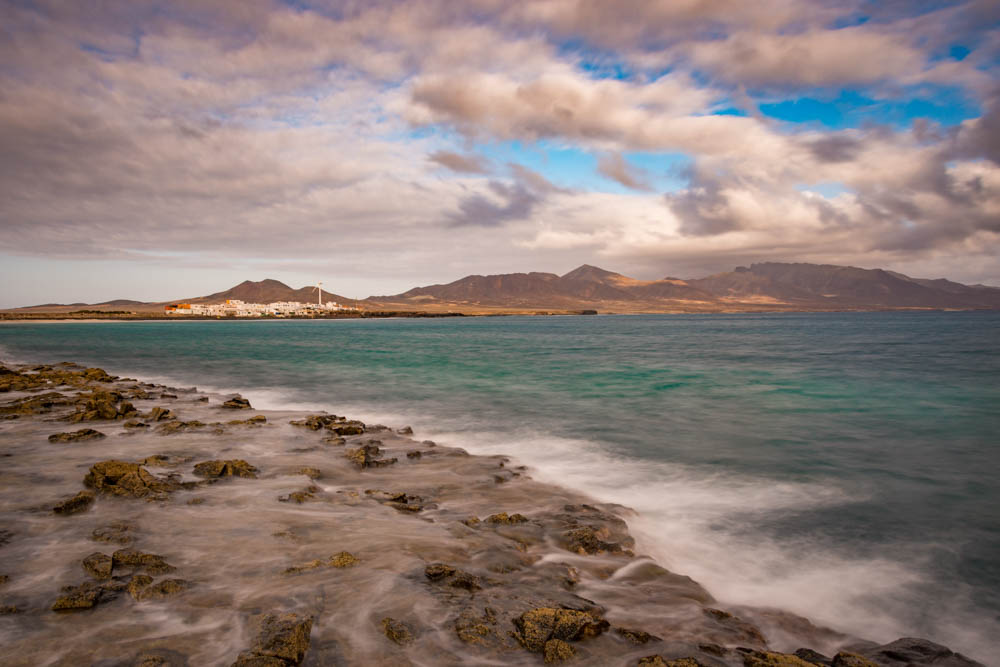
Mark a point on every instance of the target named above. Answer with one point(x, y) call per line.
point(319, 290)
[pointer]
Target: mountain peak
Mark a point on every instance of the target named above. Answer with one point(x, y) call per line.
point(590, 272)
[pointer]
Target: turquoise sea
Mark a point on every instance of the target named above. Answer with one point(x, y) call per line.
point(841, 466)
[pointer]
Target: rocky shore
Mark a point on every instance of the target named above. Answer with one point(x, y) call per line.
point(148, 525)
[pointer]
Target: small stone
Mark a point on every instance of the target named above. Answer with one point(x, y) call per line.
point(397, 631)
point(637, 636)
point(84, 596)
point(98, 565)
point(81, 502)
point(438, 571)
point(414, 454)
point(311, 473)
point(343, 559)
point(160, 414)
point(406, 430)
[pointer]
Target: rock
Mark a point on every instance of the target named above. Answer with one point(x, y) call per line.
point(137, 584)
point(556, 651)
point(284, 637)
point(397, 631)
point(753, 658)
point(657, 661)
point(98, 565)
point(536, 627)
point(438, 571)
point(176, 426)
point(377, 428)
point(909, 651)
point(334, 440)
point(159, 414)
point(814, 657)
point(414, 454)
point(318, 422)
point(121, 478)
point(137, 560)
point(339, 560)
point(76, 436)
point(311, 473)
point(163, 589)
point(503, 519)
point(479, 630)
point(349, 428)
point(406, 430)
point(8, 609)
point(81, 502)
point(298, 496)
point(135, 424)
point(84, 596)
point(237, 403)
point(367, 456)
point(166, 395)
point(230, 468)
point(343, 559)
point(118, 532)
point(585, 540)
point(637, 636)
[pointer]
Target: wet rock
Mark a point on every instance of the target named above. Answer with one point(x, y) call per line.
point(637, 636)
point(300, 496)
point(770, 659)
point(9, 609)
point(477, 629)
point(159, 414)
point(397, 631)
point(163, 589)
point(339, 560)
point(196, 501)
point(166, 395)
point(657, 661)
point(137, 560)
point(137, 584)
point(159, 658)
point(367, 456)
point(118, 532)
point(176, 426)
point(135, 424)
point(438, 571)
point(121, 478)
point(742, 631)
point(35, 405)
point(406, 430)
point(909, 651)
point(256, 420)
point(81, 502)
point(284, 637)
point(586, 540)
point(536, 627)
point(84, 596)
point(814, 657)
point(77, 436)
point(311, 473)
point(503, 519)
point(237, 403)
point(334, 440)
point(318, 422)
point(414, 454)
point(348, 428)
point(556, 651)
point(4, 578)
point(377, 428)
point(98, 565)
point(229, 468)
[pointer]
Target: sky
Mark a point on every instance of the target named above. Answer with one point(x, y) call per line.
point(155, 150)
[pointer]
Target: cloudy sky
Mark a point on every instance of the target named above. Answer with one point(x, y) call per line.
point(156, 149)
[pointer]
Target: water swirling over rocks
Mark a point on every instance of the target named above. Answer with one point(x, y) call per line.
point(165, 532)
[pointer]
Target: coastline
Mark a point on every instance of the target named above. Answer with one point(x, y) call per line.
point(466, 555)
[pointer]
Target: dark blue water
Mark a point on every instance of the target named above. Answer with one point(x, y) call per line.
point(842, 466)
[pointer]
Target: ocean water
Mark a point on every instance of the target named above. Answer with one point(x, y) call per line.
point(840, 466)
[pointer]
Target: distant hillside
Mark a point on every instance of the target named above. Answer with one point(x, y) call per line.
point(268, 291)
point(843, 286)
point(759, 287)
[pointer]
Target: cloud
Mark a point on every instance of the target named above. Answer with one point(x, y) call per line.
point(614, 166)
point(463, 164)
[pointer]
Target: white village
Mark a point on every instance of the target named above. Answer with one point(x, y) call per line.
point(238, 308)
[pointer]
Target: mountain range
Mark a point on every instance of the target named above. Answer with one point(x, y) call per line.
point(760, 287)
